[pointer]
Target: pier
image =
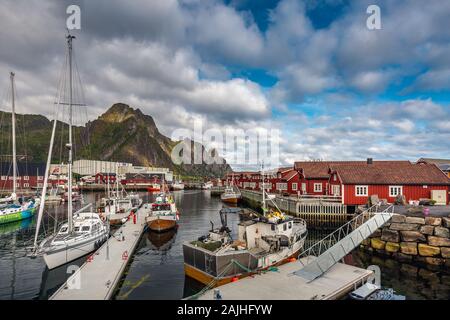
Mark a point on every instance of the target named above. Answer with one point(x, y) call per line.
point(282, 284)
point(103, 270)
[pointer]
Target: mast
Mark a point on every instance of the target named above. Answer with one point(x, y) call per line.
point(13, 120)
point(69, 145)
point(263, 190)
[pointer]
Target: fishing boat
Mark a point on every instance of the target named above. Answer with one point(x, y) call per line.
point(177, 185)
point(163, 213)
point(84, 231)
point(14, 210)
point(268, 240)
point(154, 187)
point(207, 185)
point(230, 195)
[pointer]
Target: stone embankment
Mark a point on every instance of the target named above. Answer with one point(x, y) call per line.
point(421, 239)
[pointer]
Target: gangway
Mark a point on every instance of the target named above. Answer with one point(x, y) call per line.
point(324, 254)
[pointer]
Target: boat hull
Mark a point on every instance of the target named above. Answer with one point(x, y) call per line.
point(231, 200)
point(161, 225)
point(207, 279)
point(63, 256)
point(17, 216)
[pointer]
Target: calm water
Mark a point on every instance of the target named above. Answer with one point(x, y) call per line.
point(156, 271)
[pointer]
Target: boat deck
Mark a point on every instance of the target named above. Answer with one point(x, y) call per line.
point(100, 275)
point(283, 285)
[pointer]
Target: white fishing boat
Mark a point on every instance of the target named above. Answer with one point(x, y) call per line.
point(84, 232)
point(231, 195)
point(265, 241)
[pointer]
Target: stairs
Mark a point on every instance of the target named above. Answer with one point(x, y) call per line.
point(324, 254)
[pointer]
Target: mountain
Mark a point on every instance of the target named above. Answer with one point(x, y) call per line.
point(120, 134)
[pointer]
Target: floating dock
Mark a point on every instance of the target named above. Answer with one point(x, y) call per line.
point(99, 276)
point(282, 284)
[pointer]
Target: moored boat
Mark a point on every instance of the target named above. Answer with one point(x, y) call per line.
point(154, 187)
point(230, 195)
point(12, 210)
point(265, 241)
point(163, 214)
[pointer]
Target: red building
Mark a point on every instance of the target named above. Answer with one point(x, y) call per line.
point(103, 178)
point(356, 182)
point(29, 175)
point(352, 182)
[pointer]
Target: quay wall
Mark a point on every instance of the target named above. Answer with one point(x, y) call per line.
point(413, 239)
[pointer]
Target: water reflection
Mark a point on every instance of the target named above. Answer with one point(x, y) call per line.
point(157, 270)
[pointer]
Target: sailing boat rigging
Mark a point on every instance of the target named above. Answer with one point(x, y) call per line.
point(15, 210)
point(84, 232)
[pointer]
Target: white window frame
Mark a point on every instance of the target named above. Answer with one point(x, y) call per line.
point(317, 185)
point(294, 186)
point(397, 188)
point(26, 178)
point(282, 186)
point(4, 178)
point(26, 185)
point(361, 191)
point(304, 188)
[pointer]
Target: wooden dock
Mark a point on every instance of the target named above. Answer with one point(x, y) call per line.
point(103, 270)
point(283, 285)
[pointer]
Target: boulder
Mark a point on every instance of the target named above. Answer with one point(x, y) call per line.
point(428, 251)
point(409, 248)
point(433, 221)
point(438, 241)
point(412, 236)
point(434, 261)
point(402, 257)
point(398, 218)
point(445, 252)
point(428, 230)
point(376, 234)
point(441, 232)
point(446, 222)
point(390, 235)
point(392, 247)
point(377, 243)
point(415, 220)
point(404, 226)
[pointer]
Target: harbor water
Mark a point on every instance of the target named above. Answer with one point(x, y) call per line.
point(156, 269)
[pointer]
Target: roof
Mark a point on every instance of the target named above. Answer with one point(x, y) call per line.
point(435, 161)
point(23, 169)
point(390, 172)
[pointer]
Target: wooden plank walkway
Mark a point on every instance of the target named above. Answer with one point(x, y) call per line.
point(100, 276)
point(283, 285)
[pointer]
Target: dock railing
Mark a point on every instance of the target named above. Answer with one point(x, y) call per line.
point(333, 238)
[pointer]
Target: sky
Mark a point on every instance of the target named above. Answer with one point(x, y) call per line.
point(334, 89)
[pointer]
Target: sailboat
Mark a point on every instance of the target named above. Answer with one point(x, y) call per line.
point(118, 205)
point(84, 232)
point(15, 210)
point(267, 240)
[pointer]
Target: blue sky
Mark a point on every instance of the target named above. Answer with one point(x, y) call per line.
point(311, 68)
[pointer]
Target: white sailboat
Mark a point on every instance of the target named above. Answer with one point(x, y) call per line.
point(84, 232)
point(11, 210)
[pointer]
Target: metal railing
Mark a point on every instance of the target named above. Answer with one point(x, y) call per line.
point(330, 240)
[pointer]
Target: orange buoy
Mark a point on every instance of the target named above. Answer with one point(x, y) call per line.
point(292, 259)
point(234, 279)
